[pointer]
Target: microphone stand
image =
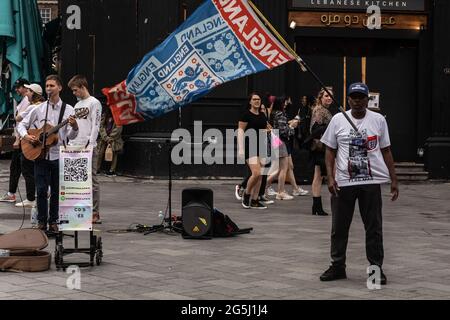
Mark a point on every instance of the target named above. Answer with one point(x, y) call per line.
point(44, 133)
point(169, 226)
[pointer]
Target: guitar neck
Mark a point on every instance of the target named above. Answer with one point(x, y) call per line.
point(57, 127)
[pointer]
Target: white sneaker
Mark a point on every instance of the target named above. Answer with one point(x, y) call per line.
point(26, 203)
point(284, 196)
point(238, 192)
point(271, 192)
point(300, 192)
point(265, 201)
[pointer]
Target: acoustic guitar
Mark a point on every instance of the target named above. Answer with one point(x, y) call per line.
point(37, 150)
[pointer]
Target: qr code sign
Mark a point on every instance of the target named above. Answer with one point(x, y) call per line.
point(75, 170)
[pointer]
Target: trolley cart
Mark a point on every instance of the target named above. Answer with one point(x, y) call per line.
point(95, 250)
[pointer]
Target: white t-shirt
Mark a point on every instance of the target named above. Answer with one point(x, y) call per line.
point(88, 125)
point(28, 110)
point(24, 103)
point(21, 107)
point(359, 159)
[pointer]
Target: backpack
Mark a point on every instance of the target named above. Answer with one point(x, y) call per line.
point(223, 226)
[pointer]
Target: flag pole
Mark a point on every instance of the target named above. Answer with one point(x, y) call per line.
point(303, 65)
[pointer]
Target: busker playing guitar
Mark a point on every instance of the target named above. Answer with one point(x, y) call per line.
point(46, 167)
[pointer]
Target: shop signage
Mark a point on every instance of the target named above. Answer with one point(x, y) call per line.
point(360, 5)
point(357, 20)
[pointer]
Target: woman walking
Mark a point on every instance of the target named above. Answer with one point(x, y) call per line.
point(250, 124)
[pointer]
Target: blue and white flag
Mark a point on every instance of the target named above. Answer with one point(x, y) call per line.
point(221, 41)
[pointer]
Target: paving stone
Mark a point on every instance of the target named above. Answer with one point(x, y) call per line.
point(282, 258)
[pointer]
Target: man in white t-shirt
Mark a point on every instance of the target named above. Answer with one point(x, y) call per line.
point(88, 132)
point(362, 161)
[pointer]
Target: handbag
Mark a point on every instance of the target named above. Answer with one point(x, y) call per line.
point(275, 140)
point(109, 153)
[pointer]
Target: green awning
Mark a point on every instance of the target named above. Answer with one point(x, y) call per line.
point(21, 38)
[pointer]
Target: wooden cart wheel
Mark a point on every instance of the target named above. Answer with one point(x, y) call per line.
point(99, 251)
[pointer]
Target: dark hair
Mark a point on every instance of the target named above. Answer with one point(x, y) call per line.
point(310, 100)
point(249, 98)
point(55, 78)
point(278, 104)
point(21, 82)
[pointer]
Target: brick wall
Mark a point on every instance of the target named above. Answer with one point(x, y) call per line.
point(51, 6)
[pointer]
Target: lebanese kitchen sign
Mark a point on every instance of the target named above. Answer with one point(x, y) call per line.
point(358, 5)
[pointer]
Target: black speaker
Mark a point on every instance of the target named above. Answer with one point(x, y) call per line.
point(196, 213)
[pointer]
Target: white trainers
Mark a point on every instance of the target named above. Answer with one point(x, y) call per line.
point(238, 191)
point(271, 192)
point(265, 201)
point(8, 198)
point(284, 196)
point(26, 203)
point(300, 192)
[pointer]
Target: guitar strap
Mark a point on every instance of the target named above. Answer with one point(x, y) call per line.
point(61, 112)
point(61, 115)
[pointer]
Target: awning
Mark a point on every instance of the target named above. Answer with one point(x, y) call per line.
point(21, 45)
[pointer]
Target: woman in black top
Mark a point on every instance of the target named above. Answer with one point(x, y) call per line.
point(249, 135)
point(320, 118)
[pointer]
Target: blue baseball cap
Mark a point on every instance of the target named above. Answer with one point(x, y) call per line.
point(358, 87)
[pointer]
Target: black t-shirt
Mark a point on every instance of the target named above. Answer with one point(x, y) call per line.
point(254, 121)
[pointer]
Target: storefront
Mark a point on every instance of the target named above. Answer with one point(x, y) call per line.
point(335, 39)
point(405, 63)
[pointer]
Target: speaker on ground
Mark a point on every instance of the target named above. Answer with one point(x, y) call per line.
point(196, 213)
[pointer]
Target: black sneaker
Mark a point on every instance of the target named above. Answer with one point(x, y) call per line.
point(246, 201)
point(333, 273)
point(257, 205)
point(383, 279)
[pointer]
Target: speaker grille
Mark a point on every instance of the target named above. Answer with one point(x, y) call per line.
point(197, 219)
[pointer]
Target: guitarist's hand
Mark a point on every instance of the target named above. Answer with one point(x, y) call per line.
point(73, 123)
point(32, 139)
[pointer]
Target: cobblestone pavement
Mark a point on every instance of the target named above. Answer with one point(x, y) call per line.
point(280, 259)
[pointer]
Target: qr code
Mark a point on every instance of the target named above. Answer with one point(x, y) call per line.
point(75, 170)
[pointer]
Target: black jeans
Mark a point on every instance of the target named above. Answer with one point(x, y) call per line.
point(47, 174)
point(28, 174)
point(14, 170)
point(342, 207)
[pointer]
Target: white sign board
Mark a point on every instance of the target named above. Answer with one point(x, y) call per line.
point(75, 188)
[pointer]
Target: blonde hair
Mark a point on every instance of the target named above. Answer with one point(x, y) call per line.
point(36, 98)
point(78, 81)
point(320, 95)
